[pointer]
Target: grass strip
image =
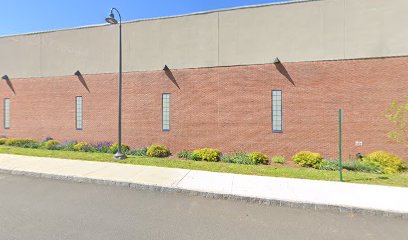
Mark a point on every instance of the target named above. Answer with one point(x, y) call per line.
point(400, 180)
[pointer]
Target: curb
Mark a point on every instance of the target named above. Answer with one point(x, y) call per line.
point(212, 195)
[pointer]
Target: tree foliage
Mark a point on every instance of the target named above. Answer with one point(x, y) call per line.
point(397, 113)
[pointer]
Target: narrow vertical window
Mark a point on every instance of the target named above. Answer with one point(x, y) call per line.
point(276, 111)
point(78, 112)
point(6, 113)
point(166, 111)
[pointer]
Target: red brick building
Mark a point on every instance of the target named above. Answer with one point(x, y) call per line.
point(218, 92)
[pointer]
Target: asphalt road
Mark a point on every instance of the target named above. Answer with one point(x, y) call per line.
point(34, 208)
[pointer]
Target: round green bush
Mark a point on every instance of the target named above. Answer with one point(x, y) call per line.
point(82, 147)
point(3, 141)
point(387, 162)
point(114, 148)
point(207, 154)
point(158, 151)
point(308, 159)
point(51, 144)
point(258, 158)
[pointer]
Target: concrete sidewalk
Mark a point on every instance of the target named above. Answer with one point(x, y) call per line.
point(379, 200)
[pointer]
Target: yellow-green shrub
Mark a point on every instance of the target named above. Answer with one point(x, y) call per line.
point(385, 161)
point(258, 158)
point(82, 147)
point(11, 141)
point(3, 141)
point(207, 154)
point(114, 148)
point(278, 159)
point(51, 144)
point(24, 143)
point(158, 151)
point(308, 159)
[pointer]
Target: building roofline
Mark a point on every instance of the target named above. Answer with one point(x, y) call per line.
point(165, 17)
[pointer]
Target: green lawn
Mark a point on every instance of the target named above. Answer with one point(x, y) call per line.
point(275, 171)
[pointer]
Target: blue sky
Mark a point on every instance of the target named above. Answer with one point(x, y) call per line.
point(23, 16)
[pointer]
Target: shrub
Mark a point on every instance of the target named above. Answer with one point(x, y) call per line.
point(185, 155)
point(82, 147)
point(24, 143)
point(51, 145)
point(308, 159)
point(11, 141)
point(207, 154)
point(238, 157)
point(278, 159)
point(114, 148)
point(158, 151)
point(68, 146)
point(253, 158)
point(102, 147)
point(360, 166)
point(355, 165)
point(139, 152)
point(3, 141)
point(331, 165)
point(28, 143)
point(386, 162)
point(258, 158)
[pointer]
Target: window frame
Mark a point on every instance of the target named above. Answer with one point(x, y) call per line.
point(162, 111)
point(4, 113)
point(76, 113)
point(281, 112)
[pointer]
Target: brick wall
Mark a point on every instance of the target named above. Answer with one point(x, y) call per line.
point(225, 107)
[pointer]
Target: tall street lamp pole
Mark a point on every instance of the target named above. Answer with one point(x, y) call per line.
point(111, 19)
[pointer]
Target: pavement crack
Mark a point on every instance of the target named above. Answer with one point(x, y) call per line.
point(177, 183)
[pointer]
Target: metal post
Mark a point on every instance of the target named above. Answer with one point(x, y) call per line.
point(119, 154)
point(340, 145)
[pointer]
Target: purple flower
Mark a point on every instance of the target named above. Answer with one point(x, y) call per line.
point(99, 145)
point(48, 139)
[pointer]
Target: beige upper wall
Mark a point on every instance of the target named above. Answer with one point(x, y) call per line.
point(303, 31)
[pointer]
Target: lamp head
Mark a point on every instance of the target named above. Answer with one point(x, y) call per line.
point(111, 19)
point(5, 77)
